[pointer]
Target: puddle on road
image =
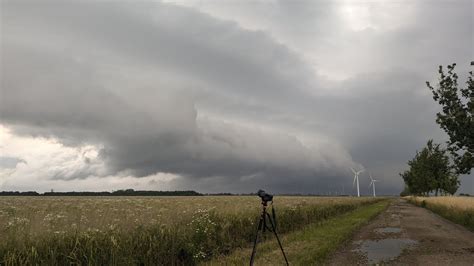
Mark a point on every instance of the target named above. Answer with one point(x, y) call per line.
point(388, 230)
point(385, 249)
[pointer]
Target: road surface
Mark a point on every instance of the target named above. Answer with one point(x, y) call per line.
point(408, 235)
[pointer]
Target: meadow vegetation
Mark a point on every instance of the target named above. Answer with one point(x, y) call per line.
point(145, 230)
point(457, 209)
point(310, 246)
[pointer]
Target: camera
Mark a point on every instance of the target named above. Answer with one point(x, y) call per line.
point(264, 195)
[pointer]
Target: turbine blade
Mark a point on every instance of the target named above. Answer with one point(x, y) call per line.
point(353, 183)
point(354, 171)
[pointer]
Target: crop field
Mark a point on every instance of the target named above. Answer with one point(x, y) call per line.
point(146, 230)
point(456, 209)
point(458, 203)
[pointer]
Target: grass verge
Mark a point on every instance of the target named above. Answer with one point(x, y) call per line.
point(462, 216)
point(309, 246)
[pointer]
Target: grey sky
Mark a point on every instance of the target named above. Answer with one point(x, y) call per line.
point(222, 96)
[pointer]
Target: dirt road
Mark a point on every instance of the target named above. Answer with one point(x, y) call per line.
point(408, 235)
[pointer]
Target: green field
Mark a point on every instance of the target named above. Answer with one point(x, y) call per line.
point(150, 230)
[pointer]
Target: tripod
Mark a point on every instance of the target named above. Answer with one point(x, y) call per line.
point(262, 226)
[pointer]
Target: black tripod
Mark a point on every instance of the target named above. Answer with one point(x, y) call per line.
point(262, 226)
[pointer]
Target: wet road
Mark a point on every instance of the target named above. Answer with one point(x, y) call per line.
point(408, 235)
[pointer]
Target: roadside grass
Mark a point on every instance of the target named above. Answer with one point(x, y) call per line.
point(457, 209)
point(310, 246)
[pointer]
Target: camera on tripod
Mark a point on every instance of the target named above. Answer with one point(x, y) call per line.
point(266, 218)
point(264, 196)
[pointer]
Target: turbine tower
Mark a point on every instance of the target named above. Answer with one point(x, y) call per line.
point(356, 179)
point(372, 183)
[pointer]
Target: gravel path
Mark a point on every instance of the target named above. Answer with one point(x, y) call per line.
point(408, 235)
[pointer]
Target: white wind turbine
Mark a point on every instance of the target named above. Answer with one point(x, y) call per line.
point(372, 183)
point(356, 179)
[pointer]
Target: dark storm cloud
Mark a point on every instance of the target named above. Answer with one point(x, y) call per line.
point(57, 87)
point(163, 88)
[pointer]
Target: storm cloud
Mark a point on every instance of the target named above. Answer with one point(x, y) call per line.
point(222, 98)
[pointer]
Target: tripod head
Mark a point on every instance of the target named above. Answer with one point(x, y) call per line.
point(264, 196)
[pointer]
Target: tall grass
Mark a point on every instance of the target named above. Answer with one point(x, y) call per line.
point(457, 209)
point(189, 234)
point(310, 246)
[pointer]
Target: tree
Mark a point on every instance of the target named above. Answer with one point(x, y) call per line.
point(451, 185)
point(456, 117)
point(416, 178)
point(431, 171)
point(405, 192)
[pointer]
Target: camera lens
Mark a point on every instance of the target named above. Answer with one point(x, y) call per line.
point(265, 196)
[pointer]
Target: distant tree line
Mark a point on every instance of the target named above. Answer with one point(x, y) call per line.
point(126, 192)
point(17, 193)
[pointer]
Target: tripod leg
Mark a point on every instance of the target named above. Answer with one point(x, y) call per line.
point(264, 217)
point(278, 239)
point(254, 250)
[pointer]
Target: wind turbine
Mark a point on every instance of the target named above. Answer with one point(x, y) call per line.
point(372, 183)
point(356, 179)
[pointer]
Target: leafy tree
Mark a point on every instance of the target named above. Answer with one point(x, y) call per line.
point(416, 179)
point(431, 171)
point(456, 117)
point(451, 185)
point(405, 192)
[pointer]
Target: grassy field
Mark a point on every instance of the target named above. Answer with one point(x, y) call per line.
point(309, 246)
point(145, 230)
point(457, 209)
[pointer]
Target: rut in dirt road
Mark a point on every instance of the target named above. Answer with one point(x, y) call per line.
point(408, 235)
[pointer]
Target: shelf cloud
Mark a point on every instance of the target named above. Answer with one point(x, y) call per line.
point(217, 98)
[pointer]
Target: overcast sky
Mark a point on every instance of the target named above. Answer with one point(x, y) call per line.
point(222, 96)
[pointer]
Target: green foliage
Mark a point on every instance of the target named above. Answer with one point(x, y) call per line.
point(429, 171)
point(405, 192)
point(456, 117)
point(209, 234)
